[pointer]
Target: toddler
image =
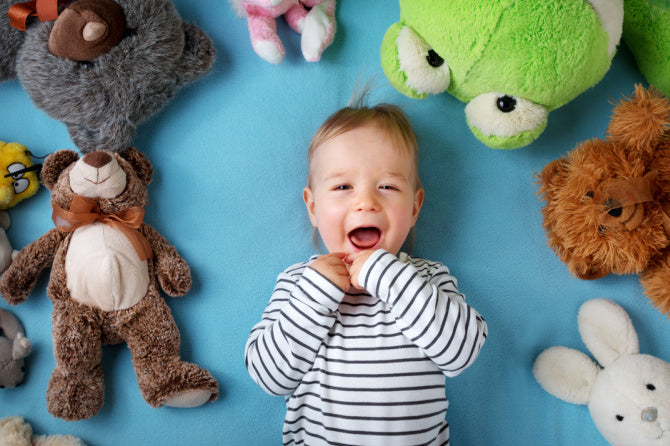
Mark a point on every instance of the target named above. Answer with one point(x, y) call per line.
point(360, 340)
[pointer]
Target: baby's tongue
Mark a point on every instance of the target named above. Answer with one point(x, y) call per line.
point(364, 238)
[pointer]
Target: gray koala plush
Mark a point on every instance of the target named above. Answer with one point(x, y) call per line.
point(104, 66)
point(14, 347)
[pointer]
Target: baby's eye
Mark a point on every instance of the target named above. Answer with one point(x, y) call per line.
point(388, 187)
point(342, 187)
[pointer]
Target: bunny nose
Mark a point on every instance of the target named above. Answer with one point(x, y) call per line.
point(650, 414)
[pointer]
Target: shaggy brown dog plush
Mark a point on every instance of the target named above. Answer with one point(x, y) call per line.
point(106, 266)
point(608, 201)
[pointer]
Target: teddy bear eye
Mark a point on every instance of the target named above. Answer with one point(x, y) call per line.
point(619, 417)
point(602, 231)
point(651, 387)
point(589, 194)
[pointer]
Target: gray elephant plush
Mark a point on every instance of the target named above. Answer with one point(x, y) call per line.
point(14, 347)
point(101, 66)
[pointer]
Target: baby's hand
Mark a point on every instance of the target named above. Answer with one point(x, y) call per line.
point(332, 267)
point(355, 262)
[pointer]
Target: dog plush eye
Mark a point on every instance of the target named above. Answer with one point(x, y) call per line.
point(426, 70)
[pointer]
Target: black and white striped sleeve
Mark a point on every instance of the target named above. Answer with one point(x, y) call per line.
point(428, 309)
point(283, 345)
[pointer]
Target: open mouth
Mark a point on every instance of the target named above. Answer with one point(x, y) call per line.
point(365, 238)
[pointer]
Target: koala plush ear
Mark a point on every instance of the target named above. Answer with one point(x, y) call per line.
point(199, 54)
point(607, 331)
point(566, 373)
point(54, 165)
point(141, 165)
point(639, 122)
point(11, 40)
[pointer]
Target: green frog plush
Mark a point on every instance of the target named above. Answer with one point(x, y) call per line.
point(511, 61)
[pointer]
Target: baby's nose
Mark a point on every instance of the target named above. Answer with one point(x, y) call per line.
point(366, 201)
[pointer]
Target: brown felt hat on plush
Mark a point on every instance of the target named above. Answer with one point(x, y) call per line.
point(86, 29)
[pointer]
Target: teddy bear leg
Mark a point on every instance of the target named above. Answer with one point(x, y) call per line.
point(264, 38)
point(318, 31)
point(76, 388)
point(163, 378)
point(655, 283)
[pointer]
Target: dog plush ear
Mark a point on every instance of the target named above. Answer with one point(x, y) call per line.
point(54, 165)
point(140, 164)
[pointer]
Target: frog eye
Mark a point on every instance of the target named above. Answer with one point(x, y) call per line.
point(426, 70)
point(495, 115)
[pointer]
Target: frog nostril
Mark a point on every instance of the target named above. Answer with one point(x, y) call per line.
point(650, 414)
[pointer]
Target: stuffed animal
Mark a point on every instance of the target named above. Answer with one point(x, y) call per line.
point(629, 398)
point(19, 181)
point(512, 62)
point(15, 431)
point(314, 20)
point(646, 31)
point(106, 269)
point(103, 66)
point(607, 202)
point(14, 347)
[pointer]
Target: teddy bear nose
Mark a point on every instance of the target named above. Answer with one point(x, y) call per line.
point(97, 159)
point(87, 29)
point(650, 414)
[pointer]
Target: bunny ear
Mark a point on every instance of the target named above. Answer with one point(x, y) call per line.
point(566, 373)
point(607, 331)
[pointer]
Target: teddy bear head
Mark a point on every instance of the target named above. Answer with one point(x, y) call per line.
point(104, 66)
point(606, 200)
point(115, 181)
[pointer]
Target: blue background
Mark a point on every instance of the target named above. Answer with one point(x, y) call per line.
point(229, 153)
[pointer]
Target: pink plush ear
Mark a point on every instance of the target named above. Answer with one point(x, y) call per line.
point(54, 165)
point(141, 165)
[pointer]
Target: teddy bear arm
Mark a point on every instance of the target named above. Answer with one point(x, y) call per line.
point(172, 271)
point(655, 284)
point(20, 278)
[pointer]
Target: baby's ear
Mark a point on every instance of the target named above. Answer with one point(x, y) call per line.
point(141, 165)
point(199, 54)
point(54, 165)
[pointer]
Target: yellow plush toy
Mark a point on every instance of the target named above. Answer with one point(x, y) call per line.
point(18, 180)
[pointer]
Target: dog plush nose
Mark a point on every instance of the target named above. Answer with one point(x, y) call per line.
point(87, 29)
point(97, 159)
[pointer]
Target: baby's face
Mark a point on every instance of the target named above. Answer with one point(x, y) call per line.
point(362, 192)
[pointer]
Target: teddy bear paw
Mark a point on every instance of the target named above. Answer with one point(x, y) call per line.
point(189, 398)
point(75, 396)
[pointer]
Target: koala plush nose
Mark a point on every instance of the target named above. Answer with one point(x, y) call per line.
point(650, 414)
point(97, 159)
point(87, 29)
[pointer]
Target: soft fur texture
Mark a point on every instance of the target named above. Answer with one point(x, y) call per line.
point(15, 431)
point(542, 54)
point(76, 387)
point(313, 19)
point(646, 30)
point(14, 347)
point(102, 100)
point(585, 226)
point(629, 398)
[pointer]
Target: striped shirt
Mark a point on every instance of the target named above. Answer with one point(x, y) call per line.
point(361, 368)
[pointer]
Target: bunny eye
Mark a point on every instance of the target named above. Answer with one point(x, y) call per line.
point(651, 387)
point(619, 417)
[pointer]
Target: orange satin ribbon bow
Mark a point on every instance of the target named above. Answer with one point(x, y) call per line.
point(45, 10)
point(86, 210)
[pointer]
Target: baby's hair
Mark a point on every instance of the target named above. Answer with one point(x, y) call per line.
point(390, 118)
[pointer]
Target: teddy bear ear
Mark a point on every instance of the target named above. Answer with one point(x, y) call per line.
point(54, 165)
point(552, 174)
point(566, 373)
point(640, 121)
point(141, 165)
point(607, 331)
point(198, 56)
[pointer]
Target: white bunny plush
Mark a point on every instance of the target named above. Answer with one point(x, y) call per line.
point(629, 397)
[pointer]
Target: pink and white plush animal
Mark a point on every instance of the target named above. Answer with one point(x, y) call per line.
point(313, 19)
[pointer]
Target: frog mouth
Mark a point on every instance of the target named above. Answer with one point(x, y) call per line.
point(365, 237)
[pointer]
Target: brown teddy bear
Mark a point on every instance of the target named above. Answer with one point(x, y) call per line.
point(608, 201)
point(106, 268)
